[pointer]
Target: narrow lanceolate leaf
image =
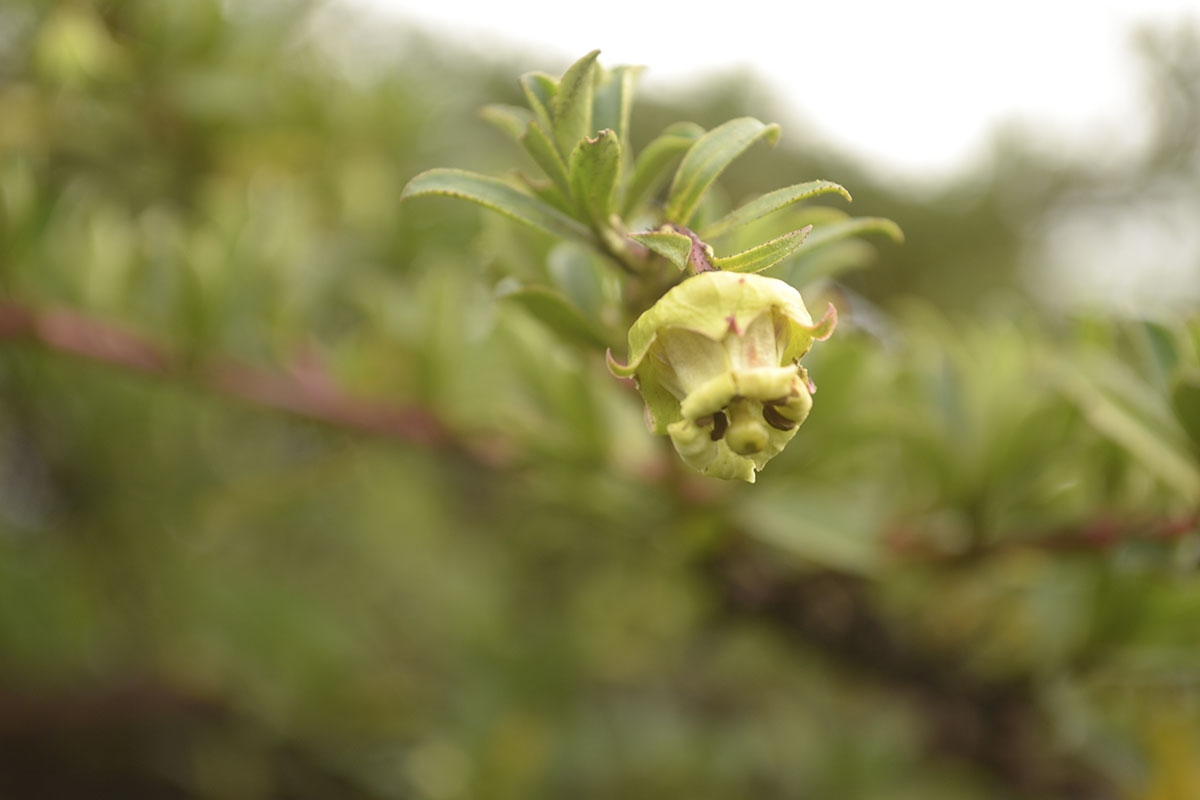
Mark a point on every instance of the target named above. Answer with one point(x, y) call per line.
point(650, 168)
point(767, 254)
point(572, 107)
point(595, 172)
point(1160, 450)
point(707, 159)
point(557, 313)
point(674, 247)
point(509, 119)
point(857, 226)
point(537, 143)
point(613, 102)
point(497, 195)
point(771, 201)
point(540, 90)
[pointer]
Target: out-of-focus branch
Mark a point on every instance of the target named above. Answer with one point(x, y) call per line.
point(998, 726)
point(93, 740)
point(304, 391)
point(1090, 537)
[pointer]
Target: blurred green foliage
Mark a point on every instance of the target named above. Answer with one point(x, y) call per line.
point(972, 575)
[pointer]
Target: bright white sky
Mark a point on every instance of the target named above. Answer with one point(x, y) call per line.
point(916, 86)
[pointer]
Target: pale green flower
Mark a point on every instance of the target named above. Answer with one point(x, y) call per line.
point(717, 360)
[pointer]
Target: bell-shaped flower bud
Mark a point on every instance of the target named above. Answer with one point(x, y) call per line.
point(717, 360)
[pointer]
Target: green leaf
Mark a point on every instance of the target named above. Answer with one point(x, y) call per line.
point(1185, 402)
point(854, 227)
point(557, 313)
point(829, 262)
point(771, 201)
point(537, 143)
point(583, 277)
point(572, 105)
point(767, 254)
point(828, 525)
point(614, 101)
point(497, 195)
point(1158, 348)
point(707, 159)
point(509, 119)
point(650, 168)
point(1132, 422)
point(595, 172)
point(674, 247)
point(540, 90)
point(547, 192)
point(688, 130)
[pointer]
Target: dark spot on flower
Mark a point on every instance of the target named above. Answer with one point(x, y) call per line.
point(720, 423)
point(776, 420)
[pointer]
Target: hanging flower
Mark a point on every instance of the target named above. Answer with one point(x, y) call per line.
point(717, 360)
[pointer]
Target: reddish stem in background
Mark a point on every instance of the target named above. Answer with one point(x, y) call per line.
point(306, 391)
point(303, 392)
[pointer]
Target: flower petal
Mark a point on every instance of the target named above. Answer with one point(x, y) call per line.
point(714, 304)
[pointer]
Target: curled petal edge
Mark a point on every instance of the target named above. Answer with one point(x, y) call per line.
point(618, 369)
point(803, 335)
point(823, 328)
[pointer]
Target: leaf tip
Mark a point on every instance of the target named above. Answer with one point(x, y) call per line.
point(600, 135)
point(409, 189)
point(889, 229)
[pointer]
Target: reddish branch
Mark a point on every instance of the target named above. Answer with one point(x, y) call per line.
point(304, 391)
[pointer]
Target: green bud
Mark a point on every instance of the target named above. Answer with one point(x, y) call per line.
point(717, 360)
